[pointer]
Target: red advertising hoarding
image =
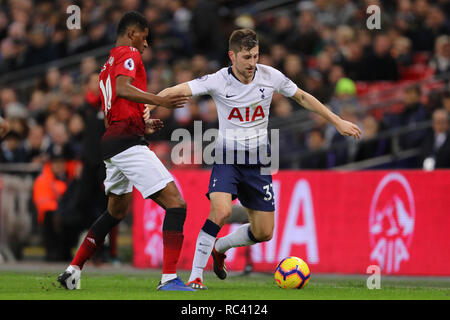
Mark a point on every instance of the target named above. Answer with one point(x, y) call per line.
point(338, 222)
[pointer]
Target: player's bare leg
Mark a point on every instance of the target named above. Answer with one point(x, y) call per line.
point(171, 200)
point(117, 210)
point(220, 211)
point(262, 224)
point(259, 229)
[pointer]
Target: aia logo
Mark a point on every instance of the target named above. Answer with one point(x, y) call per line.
point(248, 114)
point(391, 222)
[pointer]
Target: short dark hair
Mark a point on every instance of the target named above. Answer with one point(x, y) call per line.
point(242, 39)
point(131, 18)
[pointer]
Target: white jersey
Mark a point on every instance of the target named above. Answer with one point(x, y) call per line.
point(243, 107)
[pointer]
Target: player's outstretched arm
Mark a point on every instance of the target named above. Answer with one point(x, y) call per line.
point(346, 128)
point(181, 89)
point(126, 90)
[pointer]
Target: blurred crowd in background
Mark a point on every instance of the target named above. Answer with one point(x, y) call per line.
point(323, 46)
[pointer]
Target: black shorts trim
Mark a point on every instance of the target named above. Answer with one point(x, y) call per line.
point(112, 146)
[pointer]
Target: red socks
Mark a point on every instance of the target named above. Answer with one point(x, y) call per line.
point(87, 249)
point(173, 242)
point(95, 238)
point(172, 238)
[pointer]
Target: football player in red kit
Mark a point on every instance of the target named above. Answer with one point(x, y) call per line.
point(128, 160)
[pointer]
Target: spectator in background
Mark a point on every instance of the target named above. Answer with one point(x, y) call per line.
point(440, 61)
point(345, 36)
point(194, 115)
point(63, 113)
point(404, 19)
point(293, 69)
point(76, 129)
point(330, 74)
point(323, 125)
point(324, 63)
point(20, 126)
point(48, 189)
point(181, 17)
point(429, 22)
point(401, 52)
point(12, 150)
point(314, 84)
point(282, 27)
point(97, 35)
point(278, 52)
point(36, 104)
point(88, 67)
point(435, 149)
point(353, 62)
point(343, 149)
point(344, 11)
point(305, 38)
point(49, 83)
point(380, 65)
point(325, 12)
point(9, 52)
point(209, 114)
point(36, 145)
point(92, 93)
point(187, 115)
point(436, 24)
point(266, 59)
point(281, 110)
point(317, 157)
point(199, 66)
point(344, 95)
point(419, 33)
point(207, 43)
point(336, 73)
point(370, 145)
point(40, 50)
point(60, 140)
point(8, 96)
point(76, 41)
point(14, 46)
point(414, 112)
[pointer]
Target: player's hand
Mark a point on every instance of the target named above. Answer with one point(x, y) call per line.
point(153, 125)
point(347, 128)
point(173, 101)
point(147, 110)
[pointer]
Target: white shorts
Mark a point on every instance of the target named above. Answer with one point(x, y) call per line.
point(136, 166)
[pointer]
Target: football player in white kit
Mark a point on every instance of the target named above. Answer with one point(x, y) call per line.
point(243, 94)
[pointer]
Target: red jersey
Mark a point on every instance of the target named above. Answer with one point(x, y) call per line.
point(125, 118)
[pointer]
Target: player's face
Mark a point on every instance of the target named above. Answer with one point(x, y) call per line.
point(140, 39)
point(245, 61)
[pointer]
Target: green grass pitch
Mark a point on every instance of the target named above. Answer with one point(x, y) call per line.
point(95, 285)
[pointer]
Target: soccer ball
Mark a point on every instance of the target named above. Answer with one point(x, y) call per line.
point(292, 273)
